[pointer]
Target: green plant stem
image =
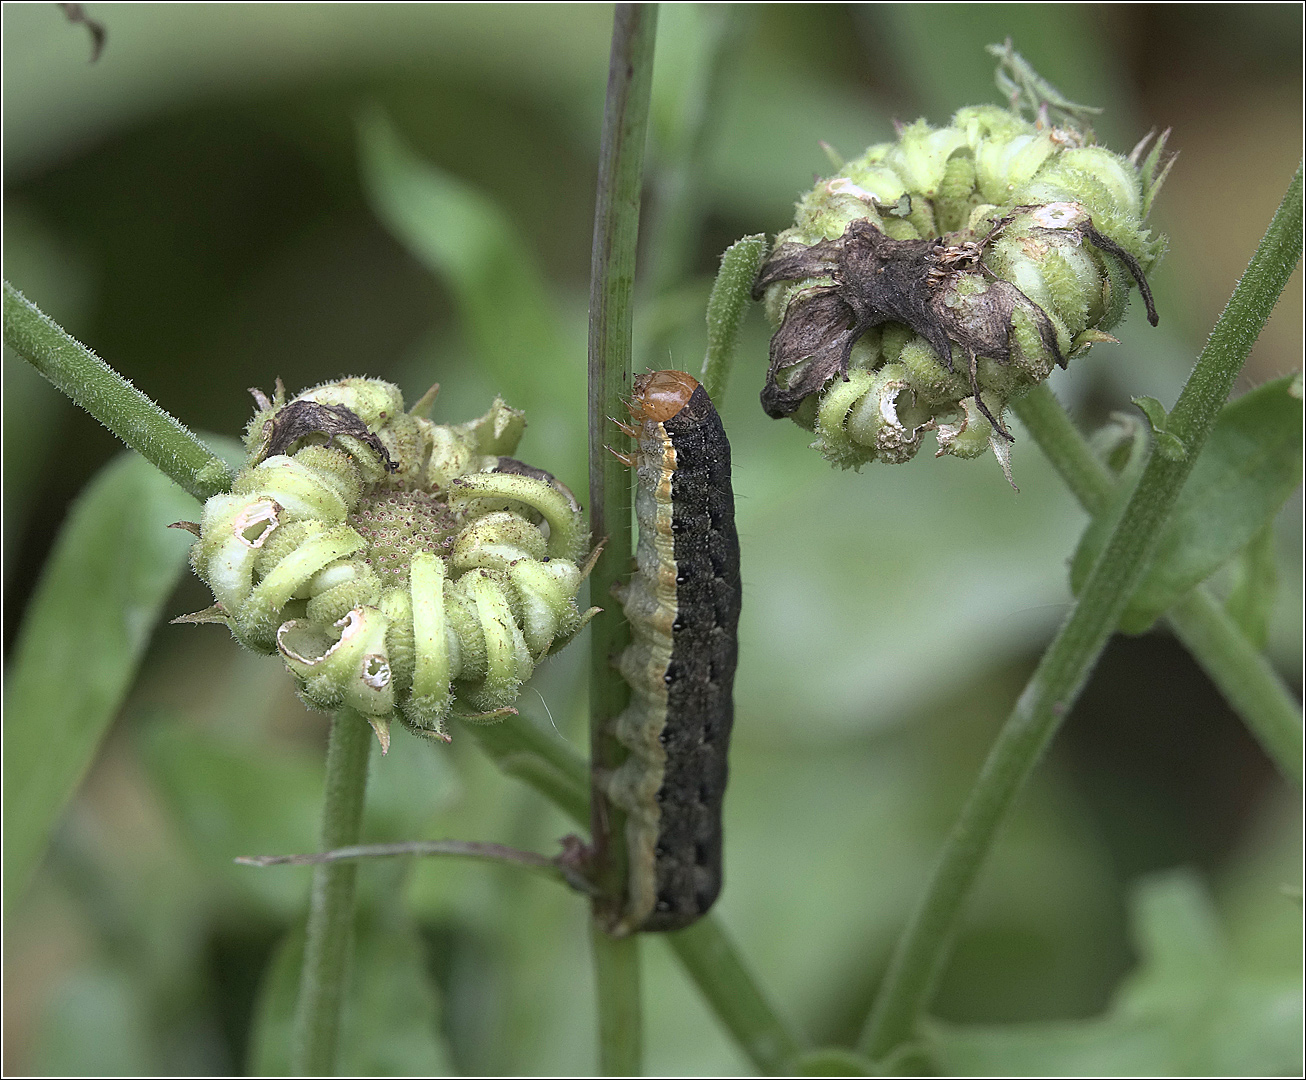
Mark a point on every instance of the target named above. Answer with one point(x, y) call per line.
point(616, 975)
point(1249, 684)
point(612, 281)
point(726, 307)
point(710, 958)
point(156, 435)
point(1245, 678)
point(524, 749)
point(549, 765)
point(1065, 666)
point(329, 936)
point(1087, 476)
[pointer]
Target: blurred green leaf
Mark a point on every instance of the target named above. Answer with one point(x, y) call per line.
point(101, 592)
point(391, 1023)
point(1250, 466)
point(407, 787)
point(474, 248)
point(96, 1025)
point(773, 121)
point(1189, 1009)
point(229, 798)
point(938, 51)
point(1252, 599)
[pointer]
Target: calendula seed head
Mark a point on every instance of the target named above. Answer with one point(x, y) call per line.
point(938, 277)
point(397, 566)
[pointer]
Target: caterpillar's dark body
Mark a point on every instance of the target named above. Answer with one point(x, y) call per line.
point(683, 606)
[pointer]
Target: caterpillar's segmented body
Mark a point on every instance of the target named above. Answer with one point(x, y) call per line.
point(683, 607)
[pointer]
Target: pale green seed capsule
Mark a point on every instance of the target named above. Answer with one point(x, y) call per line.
point(353, 669)
point(404, 568)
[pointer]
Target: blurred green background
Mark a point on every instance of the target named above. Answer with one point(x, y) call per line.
point(195, 208)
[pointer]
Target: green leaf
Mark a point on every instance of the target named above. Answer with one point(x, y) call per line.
point(1153, 410)
point(1249, 467)
point(1166, 443)
point(474, 248)
point(391, 1021)
point(1190, 1008)
point(1252, 599)
point(110, 572)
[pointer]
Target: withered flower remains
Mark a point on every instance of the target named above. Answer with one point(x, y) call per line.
point(937, 278)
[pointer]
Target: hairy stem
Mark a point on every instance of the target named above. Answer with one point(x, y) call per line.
point(726, 308)
point(330, 932)
point(1068, 661)
point(160, 438)
point(612, 281)
point(1249, 684)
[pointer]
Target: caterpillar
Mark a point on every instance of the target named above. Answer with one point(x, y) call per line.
point(683, 607)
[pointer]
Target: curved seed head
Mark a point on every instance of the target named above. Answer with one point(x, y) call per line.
point(401, 567)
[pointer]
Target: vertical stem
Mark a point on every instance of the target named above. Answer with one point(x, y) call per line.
point(1065, 666)
point(330, 932)
point(616, 230)
point(616, 975)
point(612, 280)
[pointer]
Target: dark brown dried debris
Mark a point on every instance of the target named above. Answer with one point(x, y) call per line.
point(878, 280)
point(303, 418)
point(1112, 248)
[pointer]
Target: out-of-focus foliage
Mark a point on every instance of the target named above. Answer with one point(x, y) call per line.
point(90, 621)
point(203, 207)
point(1248, 469)
point(1192, 1007)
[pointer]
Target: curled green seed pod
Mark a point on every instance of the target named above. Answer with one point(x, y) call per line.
point(936, 278)
point(398, 566)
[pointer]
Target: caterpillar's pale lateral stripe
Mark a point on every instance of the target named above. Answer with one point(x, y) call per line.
point(683, 607)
